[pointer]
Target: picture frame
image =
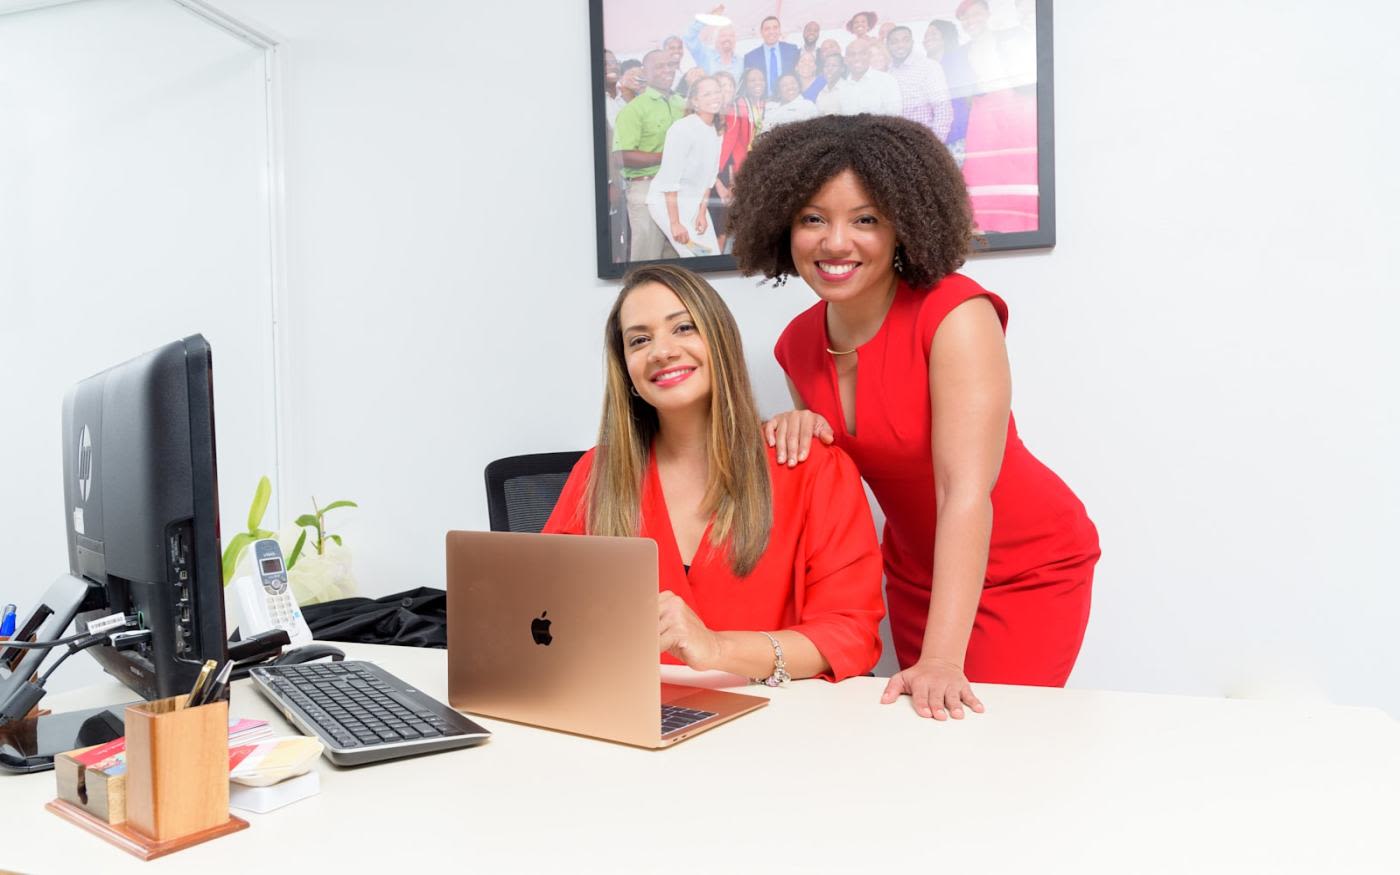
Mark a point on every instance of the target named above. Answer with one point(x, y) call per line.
point(1000, 89)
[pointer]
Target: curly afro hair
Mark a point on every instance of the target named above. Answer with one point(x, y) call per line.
point(909, 174)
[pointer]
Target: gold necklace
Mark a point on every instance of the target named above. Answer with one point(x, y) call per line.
point(856, 349)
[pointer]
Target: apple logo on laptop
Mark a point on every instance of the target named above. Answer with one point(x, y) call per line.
point(539, 629)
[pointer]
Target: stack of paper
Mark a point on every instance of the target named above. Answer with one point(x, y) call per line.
point(241, 732)
point(110, 758)
point(274, 760)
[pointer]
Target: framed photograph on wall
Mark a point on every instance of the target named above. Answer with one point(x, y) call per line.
point(682, 89)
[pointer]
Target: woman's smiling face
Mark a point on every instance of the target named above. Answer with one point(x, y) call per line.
point(667, 359)
point(842, 244)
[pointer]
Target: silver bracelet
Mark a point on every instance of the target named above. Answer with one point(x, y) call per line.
point(780, 676)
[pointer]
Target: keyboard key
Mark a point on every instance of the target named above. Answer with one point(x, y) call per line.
point(675, 718)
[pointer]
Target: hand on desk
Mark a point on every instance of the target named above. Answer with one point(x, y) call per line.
point(938, 689)
point(684, 635)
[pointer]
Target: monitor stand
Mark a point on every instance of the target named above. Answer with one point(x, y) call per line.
point(48, 620)
point(30, 745)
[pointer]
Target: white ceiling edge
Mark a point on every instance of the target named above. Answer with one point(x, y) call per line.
point(247, 31)
point(8, 7)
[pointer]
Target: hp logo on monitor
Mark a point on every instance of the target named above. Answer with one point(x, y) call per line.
point(84, 465)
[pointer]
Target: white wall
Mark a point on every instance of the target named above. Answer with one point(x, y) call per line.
point(133, 211)
point(1201, 357)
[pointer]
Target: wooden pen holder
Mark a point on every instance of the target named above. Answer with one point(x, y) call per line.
point(176, 780)
point(177, 767)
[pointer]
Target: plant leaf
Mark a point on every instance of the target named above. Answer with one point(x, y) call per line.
point(336, 538)
point(262, 533)
point(236, 545)
point(334, 504)
point(260, 499)
point(296, 551)
point(307, 521)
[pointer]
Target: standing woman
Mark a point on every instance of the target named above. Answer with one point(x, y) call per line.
point(809, 79)
point(1000, 160)
point(719, 199)
point(989, 557)
point(744, 122)
point(834, 72)
point(941, 46)
point(679, 196)
point(631, 80)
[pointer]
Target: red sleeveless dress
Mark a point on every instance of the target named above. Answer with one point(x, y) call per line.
point(1040, 565)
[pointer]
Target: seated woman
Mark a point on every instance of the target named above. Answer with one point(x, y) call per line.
point(765, 571)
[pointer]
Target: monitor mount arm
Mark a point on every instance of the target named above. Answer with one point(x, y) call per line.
point(65, 598)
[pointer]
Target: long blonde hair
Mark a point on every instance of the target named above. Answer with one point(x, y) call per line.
point(737, 491)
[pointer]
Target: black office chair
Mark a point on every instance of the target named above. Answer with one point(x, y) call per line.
point(521, 490)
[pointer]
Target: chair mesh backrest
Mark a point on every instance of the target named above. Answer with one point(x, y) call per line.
point(521, 491)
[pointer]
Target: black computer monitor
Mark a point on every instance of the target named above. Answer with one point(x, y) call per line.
point(142, 503)
point(142, 512)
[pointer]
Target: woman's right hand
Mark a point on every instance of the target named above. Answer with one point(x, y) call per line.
point(792, 434)
point(679, 233)
point(938, 688)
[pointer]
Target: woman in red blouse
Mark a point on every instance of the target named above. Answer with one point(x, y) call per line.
point(989, 557)
point(765, 571)
point(742, 124)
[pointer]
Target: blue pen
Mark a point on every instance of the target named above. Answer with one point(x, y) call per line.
point(7, 625)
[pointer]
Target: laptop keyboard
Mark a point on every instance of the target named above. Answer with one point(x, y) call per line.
point(674, 718)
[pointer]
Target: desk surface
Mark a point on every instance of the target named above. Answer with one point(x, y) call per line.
point(824, 779)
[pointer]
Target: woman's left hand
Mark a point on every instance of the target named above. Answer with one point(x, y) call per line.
point(702, 221)
point(938, 687)
point(683, 635)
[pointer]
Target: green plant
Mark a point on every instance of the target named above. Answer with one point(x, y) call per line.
point(316, 521)
point(255, 531)
point(309, 521)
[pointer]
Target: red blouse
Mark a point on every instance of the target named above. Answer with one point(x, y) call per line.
point(738, 136)
point(820, 574)
point(1036, 518)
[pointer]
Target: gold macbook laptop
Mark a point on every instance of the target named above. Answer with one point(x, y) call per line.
point(560, 631)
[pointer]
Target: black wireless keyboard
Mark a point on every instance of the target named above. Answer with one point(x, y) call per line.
point(362, 713)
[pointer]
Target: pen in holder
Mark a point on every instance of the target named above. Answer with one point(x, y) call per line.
point(177, 767)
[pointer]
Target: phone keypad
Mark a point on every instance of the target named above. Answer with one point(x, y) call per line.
point(280, 605)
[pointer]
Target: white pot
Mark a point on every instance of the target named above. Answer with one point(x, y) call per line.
point(317, 577)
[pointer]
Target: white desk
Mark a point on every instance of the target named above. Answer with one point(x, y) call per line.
point(824, 779)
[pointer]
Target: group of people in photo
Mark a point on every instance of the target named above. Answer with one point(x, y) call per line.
point(682, 118)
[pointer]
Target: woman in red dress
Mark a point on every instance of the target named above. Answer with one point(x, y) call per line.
point(989, 557)
point(742, 124)
point(765, 571)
